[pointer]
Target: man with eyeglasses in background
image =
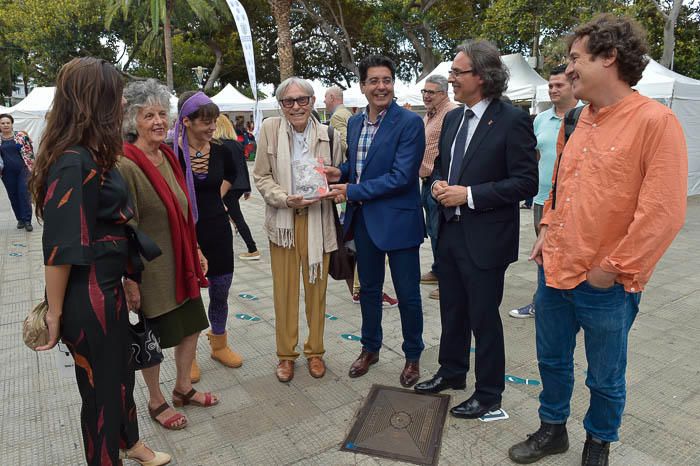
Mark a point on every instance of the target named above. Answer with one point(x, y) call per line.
point(437, 104)
point(485, 165)
point(384, 215)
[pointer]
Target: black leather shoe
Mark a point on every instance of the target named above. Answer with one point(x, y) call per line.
point(20, 225)
point(550, 439)
point(28, 227)
point(473, 409)
point(595, 452)
point(439, 383)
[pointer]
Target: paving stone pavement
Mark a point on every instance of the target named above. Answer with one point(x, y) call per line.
point(263, 422)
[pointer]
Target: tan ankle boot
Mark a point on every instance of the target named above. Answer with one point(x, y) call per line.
point(195, 373)
point(221, 352)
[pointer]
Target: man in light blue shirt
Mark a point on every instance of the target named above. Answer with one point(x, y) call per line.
point(546, 126)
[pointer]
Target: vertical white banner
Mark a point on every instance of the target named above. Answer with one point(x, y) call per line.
point(243, 27)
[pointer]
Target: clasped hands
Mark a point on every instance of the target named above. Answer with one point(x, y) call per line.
point(449, 195)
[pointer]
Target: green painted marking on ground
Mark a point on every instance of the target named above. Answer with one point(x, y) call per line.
point(521, 381)
point(247, 317)
point(19, 245)
point(331, 317)
point(15, 254)
point(249, 297)
point(350, 337)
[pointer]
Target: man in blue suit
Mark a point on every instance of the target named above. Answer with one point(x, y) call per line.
point(385, 148)
point(486, 164)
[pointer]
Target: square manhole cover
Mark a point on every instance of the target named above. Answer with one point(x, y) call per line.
point(399, 424)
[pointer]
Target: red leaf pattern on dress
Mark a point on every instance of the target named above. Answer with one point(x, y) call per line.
point(105, 460)
point(52, 256)
point(97, 298)
point(81, 361)
point(90, 176)
point(84, 237)
point(65, 198)
point(50, 191)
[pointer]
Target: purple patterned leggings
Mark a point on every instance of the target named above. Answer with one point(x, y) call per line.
point(219, 286)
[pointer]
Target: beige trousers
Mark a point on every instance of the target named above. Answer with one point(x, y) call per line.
point(285, 289)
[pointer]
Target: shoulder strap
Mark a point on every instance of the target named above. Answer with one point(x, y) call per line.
point(330, 138)
point(570, 121)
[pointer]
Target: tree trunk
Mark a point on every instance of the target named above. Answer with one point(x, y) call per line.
point(168, 45)
point(669, 31)
point(218, 65)
point(424, 48)
point(281, 10)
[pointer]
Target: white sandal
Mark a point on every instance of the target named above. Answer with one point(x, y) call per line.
point(159, 458)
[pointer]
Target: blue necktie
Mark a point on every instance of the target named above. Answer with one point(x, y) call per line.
point(460, 149)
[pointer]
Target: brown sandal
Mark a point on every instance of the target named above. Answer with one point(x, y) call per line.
point(169, 423)
point(182, 399)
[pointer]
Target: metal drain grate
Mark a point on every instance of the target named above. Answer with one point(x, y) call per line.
point(399, 424)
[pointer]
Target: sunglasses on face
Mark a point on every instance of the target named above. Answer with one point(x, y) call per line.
point(289, 102)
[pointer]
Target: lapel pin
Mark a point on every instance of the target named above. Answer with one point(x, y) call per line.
point(490, 122)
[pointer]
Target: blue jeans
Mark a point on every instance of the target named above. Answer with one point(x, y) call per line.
point(606, 316)
point(405, 274)
point(15, 179)
point(431, 221)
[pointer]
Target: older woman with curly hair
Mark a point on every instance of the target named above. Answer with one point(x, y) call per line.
point(168, 294)
point(301, 231)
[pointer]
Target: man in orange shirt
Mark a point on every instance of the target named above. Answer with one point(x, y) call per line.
point(618, 199)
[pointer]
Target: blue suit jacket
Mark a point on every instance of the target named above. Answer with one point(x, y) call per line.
point(388, 191)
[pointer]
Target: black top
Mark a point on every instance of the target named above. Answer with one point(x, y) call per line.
point(241, 182)
point(207, 185)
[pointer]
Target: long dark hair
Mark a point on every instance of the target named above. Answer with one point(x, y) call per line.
point(86, 111)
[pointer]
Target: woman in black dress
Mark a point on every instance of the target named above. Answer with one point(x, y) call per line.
point(240, 185)
point(85, 204)
point(208, 166)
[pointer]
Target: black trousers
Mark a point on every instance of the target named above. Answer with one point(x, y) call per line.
point(234, 211)
point(469, 301)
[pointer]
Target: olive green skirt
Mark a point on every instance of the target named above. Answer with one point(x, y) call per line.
point(182, 321)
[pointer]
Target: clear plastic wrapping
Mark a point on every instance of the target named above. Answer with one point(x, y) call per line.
point(309, 178)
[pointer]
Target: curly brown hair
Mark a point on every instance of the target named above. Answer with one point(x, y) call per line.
point(609, 34)
point(86, 111)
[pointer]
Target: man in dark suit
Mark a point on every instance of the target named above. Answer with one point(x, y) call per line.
point(485, 166)
point(384, 213)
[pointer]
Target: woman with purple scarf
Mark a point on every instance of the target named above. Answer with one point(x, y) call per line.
point(208, 167)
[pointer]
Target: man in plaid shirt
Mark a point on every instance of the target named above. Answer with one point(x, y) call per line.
point(384, 215)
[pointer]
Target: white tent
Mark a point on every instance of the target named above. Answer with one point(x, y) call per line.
point(230, 100)
point(522, 84)
point(30, 113)
point(682, 95)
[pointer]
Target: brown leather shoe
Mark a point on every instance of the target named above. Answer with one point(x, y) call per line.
point(362, 363)
point(285, 370)
point(317, 368)
point(410, 374)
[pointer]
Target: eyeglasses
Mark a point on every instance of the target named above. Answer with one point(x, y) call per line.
point(303, 101)
point(457, 73)
point(430, 93)
point(376, 81)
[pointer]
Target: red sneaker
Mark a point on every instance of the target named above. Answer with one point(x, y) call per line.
point(388, 301)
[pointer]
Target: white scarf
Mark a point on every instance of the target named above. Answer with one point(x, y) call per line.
point(284, 218)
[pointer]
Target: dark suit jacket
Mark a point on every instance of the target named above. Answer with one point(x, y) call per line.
point(501, 167)
point(388, 190)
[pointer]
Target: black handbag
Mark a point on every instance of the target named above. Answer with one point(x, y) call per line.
point(342, 260)
point(144, 345)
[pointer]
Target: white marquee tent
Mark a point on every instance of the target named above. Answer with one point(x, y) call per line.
point(230, 100)
point(682, 95)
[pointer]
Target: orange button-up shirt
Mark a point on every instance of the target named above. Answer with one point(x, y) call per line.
point(433, 126)
point(621, 194)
